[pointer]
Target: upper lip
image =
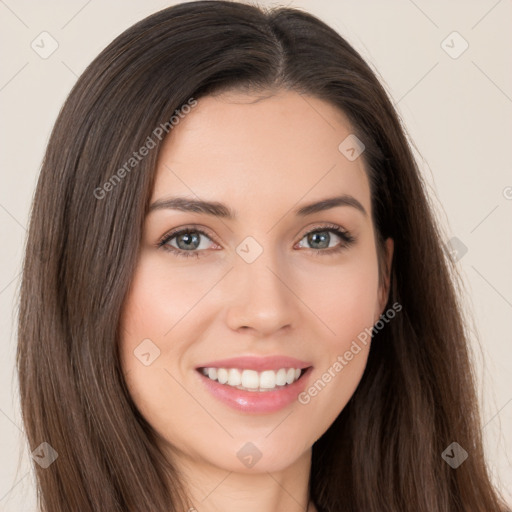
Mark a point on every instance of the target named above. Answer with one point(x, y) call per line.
point(257, 363)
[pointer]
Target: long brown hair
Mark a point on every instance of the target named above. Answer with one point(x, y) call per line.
point(417, 395)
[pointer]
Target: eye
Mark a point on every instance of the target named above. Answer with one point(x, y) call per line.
point(187, 242)
point(191, 241)
point(320, 239)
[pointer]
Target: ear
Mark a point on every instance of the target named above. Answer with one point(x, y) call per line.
point(384, 289)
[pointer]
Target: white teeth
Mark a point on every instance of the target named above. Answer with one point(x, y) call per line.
point(251, 380)
point(268, 379)
point(222, 375)
point(281, 377)
point(235, 377)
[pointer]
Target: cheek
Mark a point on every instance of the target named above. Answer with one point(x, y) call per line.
point(157, 302)
point(162, 316)
point(160, 297)
point(337, 302)
point(345, 297)
point(345, 300)
point(148, 314)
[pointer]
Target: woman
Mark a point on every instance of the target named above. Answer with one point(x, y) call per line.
point(234, 293)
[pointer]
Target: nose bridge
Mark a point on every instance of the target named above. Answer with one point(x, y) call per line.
point(261, 297)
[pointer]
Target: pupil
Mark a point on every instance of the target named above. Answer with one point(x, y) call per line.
point(319, 238)
point(188, 238)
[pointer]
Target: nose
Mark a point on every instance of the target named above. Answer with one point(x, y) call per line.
point(261, 296)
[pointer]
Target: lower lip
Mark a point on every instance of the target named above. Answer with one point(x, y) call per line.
point(256, 401)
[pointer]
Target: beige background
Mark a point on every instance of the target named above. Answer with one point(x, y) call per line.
point(457, 111)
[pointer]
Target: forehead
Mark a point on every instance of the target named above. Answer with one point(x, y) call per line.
point(249, 150)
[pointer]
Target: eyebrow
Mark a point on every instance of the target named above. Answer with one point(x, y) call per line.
point(217, 209)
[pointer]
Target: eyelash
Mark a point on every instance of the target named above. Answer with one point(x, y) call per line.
point(346, 237)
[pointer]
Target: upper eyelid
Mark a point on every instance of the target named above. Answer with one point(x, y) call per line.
point(178, 231)
point(205, 231)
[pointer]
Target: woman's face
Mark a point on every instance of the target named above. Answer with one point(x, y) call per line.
point(257, 285)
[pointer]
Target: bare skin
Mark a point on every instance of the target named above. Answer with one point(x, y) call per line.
point(263, 156)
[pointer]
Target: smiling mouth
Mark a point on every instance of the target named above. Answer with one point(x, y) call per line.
point(251, 380)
